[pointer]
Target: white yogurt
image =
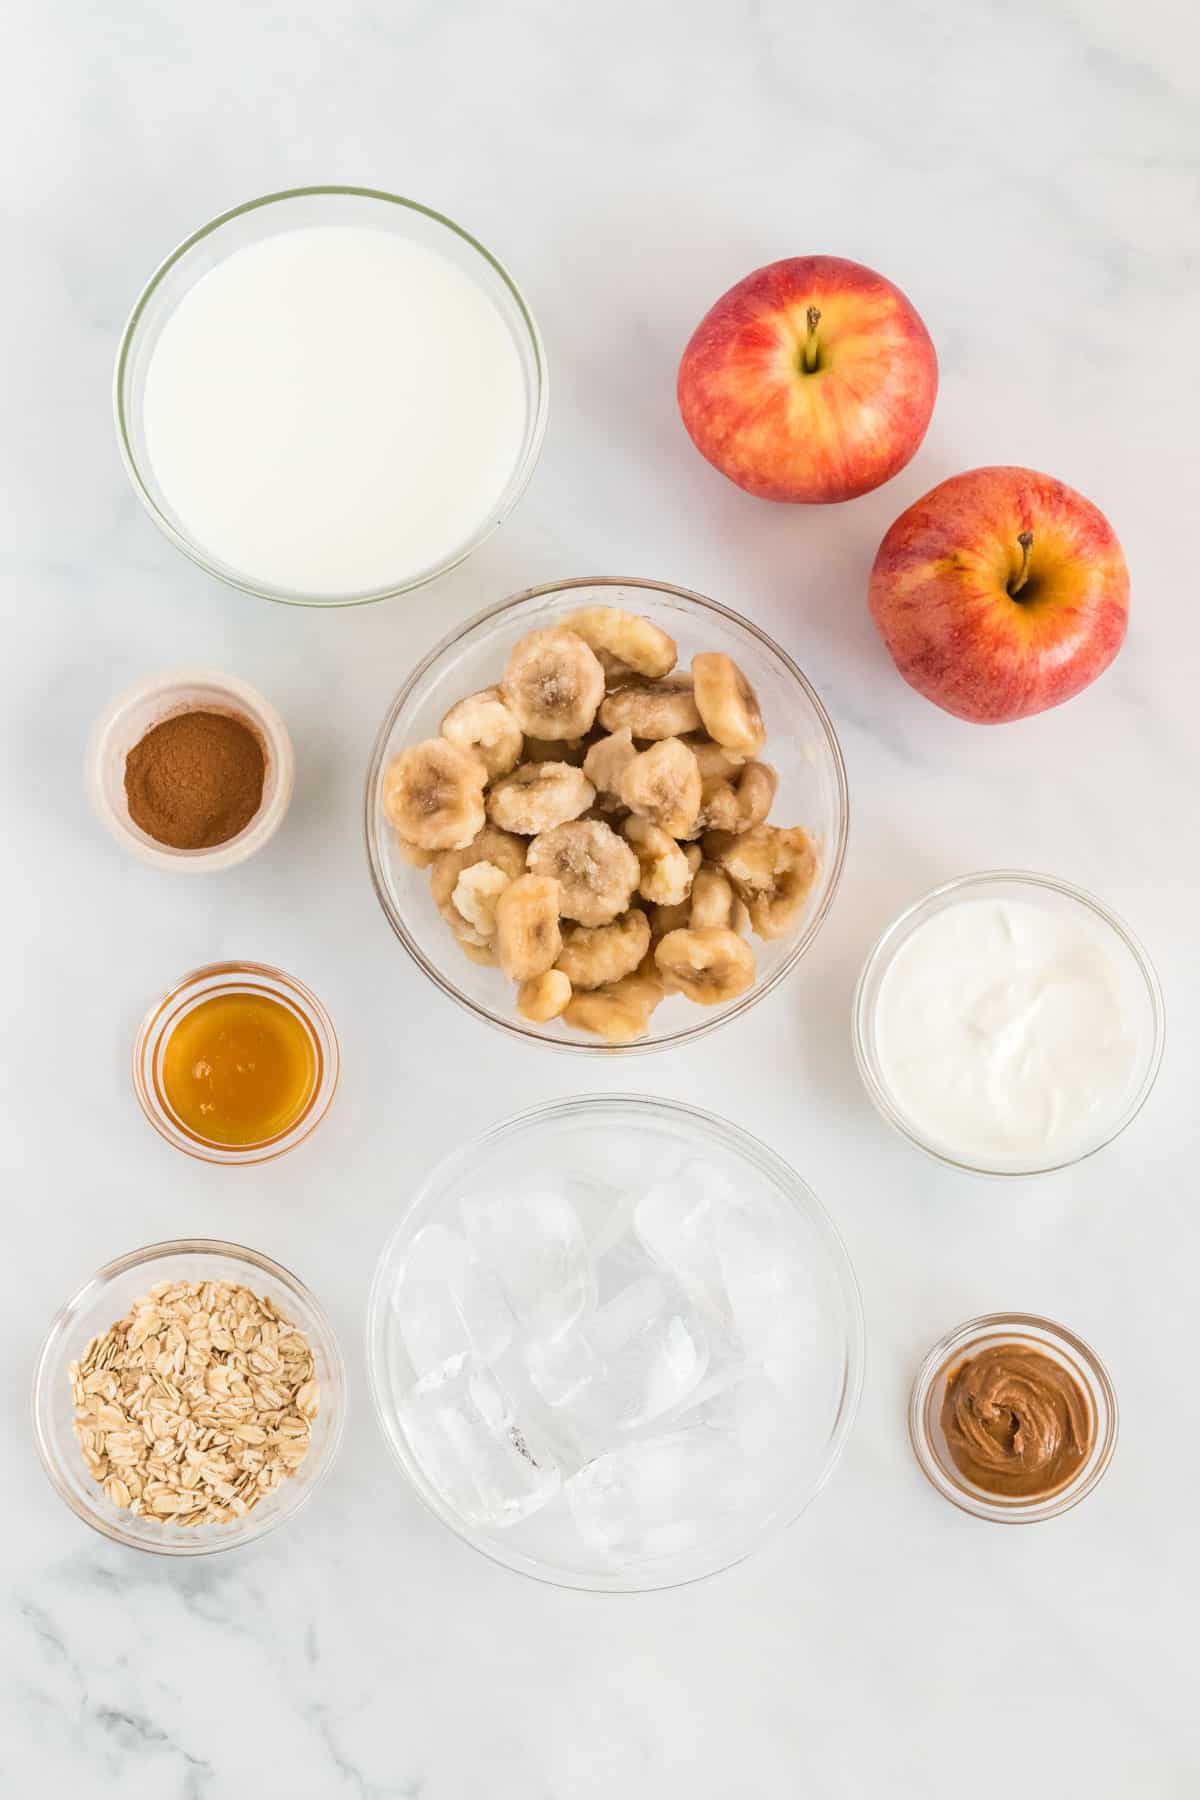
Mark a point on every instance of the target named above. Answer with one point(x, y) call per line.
point(334, 409)
point(1008, 1033)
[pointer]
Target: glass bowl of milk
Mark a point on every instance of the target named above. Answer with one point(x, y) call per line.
point(330, 395)
point(1008, 1024)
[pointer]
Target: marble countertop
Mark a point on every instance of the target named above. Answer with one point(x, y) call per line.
point(1028, 174)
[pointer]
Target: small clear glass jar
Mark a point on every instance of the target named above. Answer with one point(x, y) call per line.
point(1031, 1333)
point(124, 723)
point(106, 1298)
point(1137, 971)
point(206, 984)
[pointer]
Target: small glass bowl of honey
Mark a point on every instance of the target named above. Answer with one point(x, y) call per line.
point(236, 1064)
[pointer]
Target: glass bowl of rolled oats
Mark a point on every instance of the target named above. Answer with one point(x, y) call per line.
point(606, 815)
point(189, 1397)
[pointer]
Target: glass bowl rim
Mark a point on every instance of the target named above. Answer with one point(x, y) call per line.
point(798, 1192)
point(242, 1155)
point(997, 1510)
point(92, 1287)
point(522, 472)
point(886, 944)
point(513, 1027)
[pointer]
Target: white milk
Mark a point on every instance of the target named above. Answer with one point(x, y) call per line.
point(1006, 1033)
point(333, 410)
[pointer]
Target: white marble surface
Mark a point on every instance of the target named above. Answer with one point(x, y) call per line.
point(1028, 173)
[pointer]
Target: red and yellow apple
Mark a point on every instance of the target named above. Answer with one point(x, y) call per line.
point(811, 380)
point(1001, 593)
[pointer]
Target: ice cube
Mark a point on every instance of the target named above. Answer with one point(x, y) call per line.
point(472, 1449)
point(657, 1496)
point(653, 1349)
point(762, 1288)
point(604, 1211)
point(536, 1246)
point(447, 1303)
point(560, 1370)
point(626, 1313)
point(655, 1370)
point(712, 1401)
point(676, 1222)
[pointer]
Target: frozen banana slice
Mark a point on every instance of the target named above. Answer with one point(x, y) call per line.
point(712, 900)
point(528, 938)
point(741, 803)
point(718, 805)
point(669, 918)
point(544, 997)
point(621, 1011)
point(538, 796)
point(627, 639)
point(772, 870)
point(485, 954)
point(553, 685)
point(412, 854)
point(607, 761)
point(616, 673)
point(476, 895)
point(727, 703)
point(663, 785)
point(708, 966)
point(594, 955)
point(597, 871)
point(666, 875)
point(716, 762)
point(568, 750)
point(755, 789)
point(483, 724)
point(652, 709)
point(468, 935)
point(498, 847)
point(433, 795)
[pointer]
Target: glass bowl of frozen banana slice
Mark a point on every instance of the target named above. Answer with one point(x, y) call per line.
point(606, 815)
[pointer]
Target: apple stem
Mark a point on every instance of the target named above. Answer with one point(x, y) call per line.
point(1025, 539)
point(811, 348)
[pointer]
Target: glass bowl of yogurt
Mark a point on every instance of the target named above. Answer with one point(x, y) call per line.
point(615, 1343)
point(1008, 1024)
point(330, 395)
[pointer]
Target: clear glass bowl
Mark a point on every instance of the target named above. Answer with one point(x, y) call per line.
point(106, 1298)
point(1043, 1335)
point(801, 746)
point(1141, 985)
point(125, 722)
point(622, 1142)
point(204, 984)
point(294, 209)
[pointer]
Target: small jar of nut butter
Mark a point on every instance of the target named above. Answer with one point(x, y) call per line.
point(1013, 1418)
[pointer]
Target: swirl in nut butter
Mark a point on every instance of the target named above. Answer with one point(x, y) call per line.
point(1017, 1423)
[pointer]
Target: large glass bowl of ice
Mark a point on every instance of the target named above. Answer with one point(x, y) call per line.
point(615, 1343)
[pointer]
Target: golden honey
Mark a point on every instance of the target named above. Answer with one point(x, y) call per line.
point(239, 1069)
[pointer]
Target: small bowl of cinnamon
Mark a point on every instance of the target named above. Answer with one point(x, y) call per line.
point(191, 770)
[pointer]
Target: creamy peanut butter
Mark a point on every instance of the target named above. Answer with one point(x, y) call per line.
point(1016, 1421)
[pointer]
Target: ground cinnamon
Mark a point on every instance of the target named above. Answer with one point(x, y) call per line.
point(195, 780)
